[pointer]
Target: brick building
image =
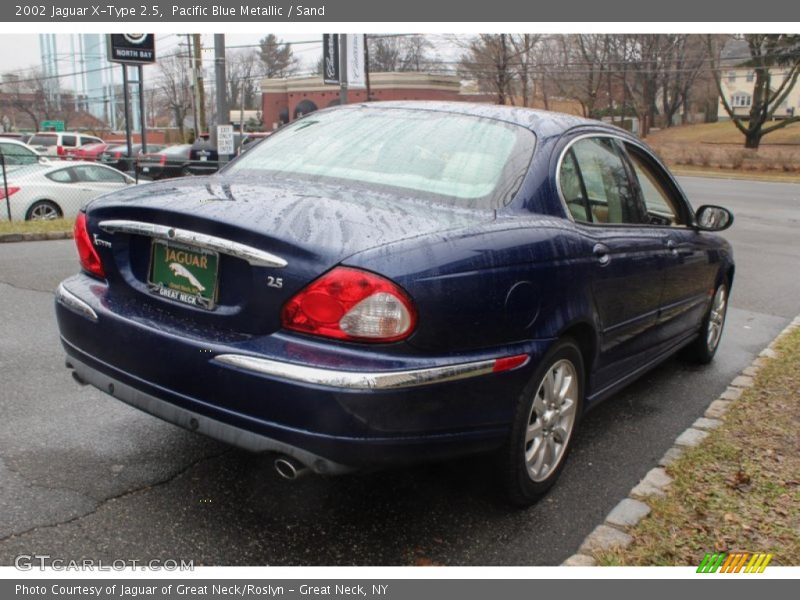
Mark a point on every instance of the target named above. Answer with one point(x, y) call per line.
point(284, 100)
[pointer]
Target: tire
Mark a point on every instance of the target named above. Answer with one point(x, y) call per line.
point(543, 421)
point(43, 210)
point(703, 349)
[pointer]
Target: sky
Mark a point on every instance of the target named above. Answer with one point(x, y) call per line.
point(21, 51)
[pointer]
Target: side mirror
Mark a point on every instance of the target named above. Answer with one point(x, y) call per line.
point(713, 218)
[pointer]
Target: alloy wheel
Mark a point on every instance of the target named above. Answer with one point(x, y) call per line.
point(551, 420)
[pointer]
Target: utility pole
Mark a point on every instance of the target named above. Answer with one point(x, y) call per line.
point(223, 116)
point(127, 99)
point(342, 69)
point(142, 122)
point(194, 86)
point(200, 92)
point(366, 67)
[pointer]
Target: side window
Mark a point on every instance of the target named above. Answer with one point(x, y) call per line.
point(68, 140)
point(18, 155)
point(662, 208)
point(97, 174)
point(572, 188)
point(607, 189)
point(60, 176)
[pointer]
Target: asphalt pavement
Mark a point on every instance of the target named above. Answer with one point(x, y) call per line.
point(84, 476)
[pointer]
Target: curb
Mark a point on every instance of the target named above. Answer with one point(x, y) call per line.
point(614, 533)
point(35, 237)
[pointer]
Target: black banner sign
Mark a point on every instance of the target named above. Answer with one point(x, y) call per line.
point(330, 58)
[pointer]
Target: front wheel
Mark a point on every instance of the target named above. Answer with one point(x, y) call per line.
point(703, 349)
point(546, 418)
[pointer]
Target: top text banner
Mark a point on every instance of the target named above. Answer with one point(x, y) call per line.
point(333, 11)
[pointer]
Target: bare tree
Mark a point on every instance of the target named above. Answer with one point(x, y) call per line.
point(771, 56)
point(242, 78)
point(277, 57)
point(37, 96)
point(487, 59)
point(524, 62)
point(684, 64)
point(394, 53)
point(583, 65)
point(174, 89)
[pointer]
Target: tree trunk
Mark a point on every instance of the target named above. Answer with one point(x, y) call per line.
point(752, 139)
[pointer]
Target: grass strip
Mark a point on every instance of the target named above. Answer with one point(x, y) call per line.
point(739, 490)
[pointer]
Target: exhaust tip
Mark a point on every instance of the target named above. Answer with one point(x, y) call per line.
point(78, 378)
point(289, 468)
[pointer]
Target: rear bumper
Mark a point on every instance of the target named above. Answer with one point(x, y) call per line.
point(330, 407)
point(194, 421)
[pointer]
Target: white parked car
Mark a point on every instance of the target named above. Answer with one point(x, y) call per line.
point(15, 153)
point(55, 143)
point(56, 189)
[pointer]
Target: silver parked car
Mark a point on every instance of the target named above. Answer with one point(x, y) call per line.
point(57, 189)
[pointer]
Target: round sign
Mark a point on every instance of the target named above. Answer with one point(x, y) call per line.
point(135, 38)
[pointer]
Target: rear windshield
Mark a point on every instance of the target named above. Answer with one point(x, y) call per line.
point(461, 160)
point(43, 140)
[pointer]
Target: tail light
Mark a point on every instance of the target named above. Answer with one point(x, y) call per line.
point(117, 155)
point(60, 150)
point(11, 191)
point(350, 304)
point(163, 160)
point(87, 255)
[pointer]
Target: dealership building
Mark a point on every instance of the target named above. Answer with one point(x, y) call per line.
point(286, 99)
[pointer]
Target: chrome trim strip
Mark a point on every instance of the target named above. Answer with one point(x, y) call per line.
point(256, 257)
point(75, 304)
point(354, 380)
point(193, 421)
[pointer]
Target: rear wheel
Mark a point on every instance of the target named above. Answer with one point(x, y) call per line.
point(703, 349)
point(546, 417)
point(43, 210)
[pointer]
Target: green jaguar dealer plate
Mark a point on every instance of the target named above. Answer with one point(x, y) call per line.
point(184, 274)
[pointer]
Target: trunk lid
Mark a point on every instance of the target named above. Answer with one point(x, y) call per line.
point(311, 227)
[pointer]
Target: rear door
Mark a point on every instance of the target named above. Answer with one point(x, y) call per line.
point(627, 277)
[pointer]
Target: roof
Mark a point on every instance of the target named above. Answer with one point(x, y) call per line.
point(541, 121)
point(734, 53)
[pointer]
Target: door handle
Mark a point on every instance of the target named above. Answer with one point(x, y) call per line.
point(672, 246)
point(603, 254)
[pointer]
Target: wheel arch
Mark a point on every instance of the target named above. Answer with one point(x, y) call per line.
point(585, 336)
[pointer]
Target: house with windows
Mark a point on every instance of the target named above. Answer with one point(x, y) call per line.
point(738, 82)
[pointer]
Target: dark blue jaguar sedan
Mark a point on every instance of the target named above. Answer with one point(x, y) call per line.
point(395, 282)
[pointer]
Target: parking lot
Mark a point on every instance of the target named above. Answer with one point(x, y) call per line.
point(84, 476)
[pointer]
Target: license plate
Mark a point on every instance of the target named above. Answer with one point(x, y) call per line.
point(203, 157)
point(184, 274)
point(145, 169)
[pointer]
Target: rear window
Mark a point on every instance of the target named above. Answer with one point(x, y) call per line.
point(43, 140)
point(61, 176)
point(457, 159)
